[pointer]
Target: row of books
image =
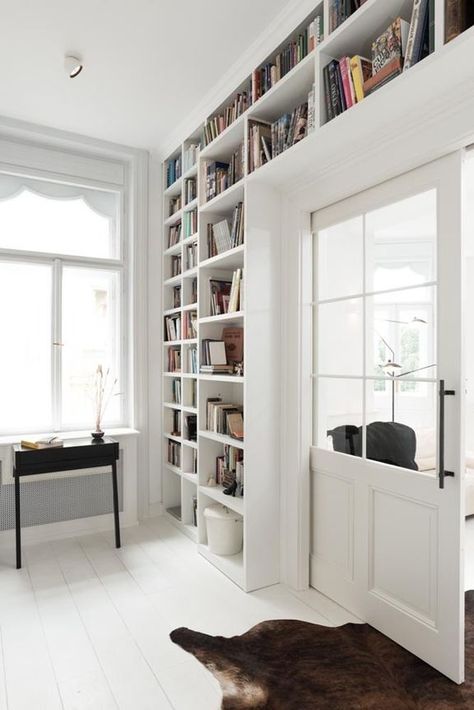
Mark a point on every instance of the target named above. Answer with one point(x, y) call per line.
point(190, 190)
point(190, 157)
point(230, 471)
point(190, 427)
point(176, 391)
point(220, 356)
point(173, 327)
point(225, 418)
point(341, 10)
point(221, 237)
point(225, 296)
point(175, 205)
point(174, 359)
point(215, 125)
point(173, 171)
point(459, 16)
point(267, 140)
point(176, 265)
point(189, 325)
point(191, 254)
point(349, 80)
point(174, 453)
point(192, 360)
point(190, 220)
point(220, 175)
point(174, 234)
point(266, 77)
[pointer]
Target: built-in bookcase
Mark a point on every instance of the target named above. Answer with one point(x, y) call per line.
point(187, 267)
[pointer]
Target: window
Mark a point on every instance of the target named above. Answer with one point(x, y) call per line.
point(62, 279)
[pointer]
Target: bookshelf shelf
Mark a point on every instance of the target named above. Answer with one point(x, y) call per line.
point(226, 200)
point(171, 343)
point(173, 469)
point(192, 172)
point(173, 189)
point(232, 566)
point(231, 259)
point(172, 219)
point(191, 205)
point(175, 249)
point(172, 405)
point(191, 477)
point(189, 273)
point(226, 142)
point(236, 316)
point(173, 280)
point(192, 444)
point(190, 307)
point(189, 240)
point(171, 311)
point(173, 437)
point(234, 379)
point(217, 493)
point(222, 439)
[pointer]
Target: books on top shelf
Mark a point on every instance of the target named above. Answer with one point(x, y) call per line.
point(190, 220)
point(459, 16)
point(190, 157)
point(264, 78)
point(173, 171)
point(189, 325)
point(225, 418)
point(174, 453)
point(174, 235)
point(215, 125)
point(48, 442)
point(173, 327)
point(341, 10)
point(174, 359)
point(175, 205)
point(221, 237)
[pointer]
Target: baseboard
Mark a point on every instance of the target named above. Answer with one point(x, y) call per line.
point(66, 528)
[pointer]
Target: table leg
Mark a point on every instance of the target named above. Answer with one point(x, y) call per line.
point(116, 504)
point(17, 520)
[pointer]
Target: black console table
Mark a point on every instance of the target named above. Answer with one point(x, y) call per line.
point(74, 455)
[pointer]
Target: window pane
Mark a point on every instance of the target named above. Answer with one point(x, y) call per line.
point(91, 337)
point(339, 338)
point(401, 330)
point(25, 355)
point(401, 425)
point(338, 404)
point(401, 243)
point(39, 216)
point(340, 260)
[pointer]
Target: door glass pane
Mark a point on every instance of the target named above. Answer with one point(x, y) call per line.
point(401, 243)
point(339, 407)
point(59, 219)
point(339, 339)
point(340, 254)
point(401, 423)
point(401, 334)
point(25, 355)
point(91, 337)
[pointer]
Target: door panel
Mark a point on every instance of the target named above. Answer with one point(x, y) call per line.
point(386, 539)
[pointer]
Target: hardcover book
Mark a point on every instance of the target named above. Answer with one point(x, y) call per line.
point(390, 45)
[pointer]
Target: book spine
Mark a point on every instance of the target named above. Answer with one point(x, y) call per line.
point(327, 93)
point(334, 88)
point(454, 18)
point(357, 78)
point(347, 81)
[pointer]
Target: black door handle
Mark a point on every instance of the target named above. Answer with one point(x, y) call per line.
point(442, 394)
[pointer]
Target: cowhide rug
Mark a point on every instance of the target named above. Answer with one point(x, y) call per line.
point(293, 665)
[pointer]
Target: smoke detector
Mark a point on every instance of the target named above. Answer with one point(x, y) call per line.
point(73, 66)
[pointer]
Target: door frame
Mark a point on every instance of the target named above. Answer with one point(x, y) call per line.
point(296, 300)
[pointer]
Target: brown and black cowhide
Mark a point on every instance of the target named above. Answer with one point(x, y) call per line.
point(293, 665)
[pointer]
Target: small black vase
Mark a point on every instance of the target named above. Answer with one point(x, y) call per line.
point(97, 435)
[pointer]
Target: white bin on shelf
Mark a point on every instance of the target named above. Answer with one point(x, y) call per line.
point(224, 530)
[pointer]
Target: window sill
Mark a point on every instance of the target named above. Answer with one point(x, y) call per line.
point(117, 432)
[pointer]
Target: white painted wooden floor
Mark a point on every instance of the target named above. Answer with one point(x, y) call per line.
point(83, 625)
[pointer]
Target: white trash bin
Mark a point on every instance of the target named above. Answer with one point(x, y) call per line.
point(224, 530)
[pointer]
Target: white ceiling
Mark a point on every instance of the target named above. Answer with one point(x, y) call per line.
point(147, 62)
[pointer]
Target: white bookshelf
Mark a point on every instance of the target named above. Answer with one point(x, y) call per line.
point(258, 389)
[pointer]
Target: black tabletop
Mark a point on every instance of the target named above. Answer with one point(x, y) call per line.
point(75, 454)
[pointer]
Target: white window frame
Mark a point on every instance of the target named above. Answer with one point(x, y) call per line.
point(58, 261)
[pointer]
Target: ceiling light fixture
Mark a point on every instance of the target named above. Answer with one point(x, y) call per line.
point(73, 66)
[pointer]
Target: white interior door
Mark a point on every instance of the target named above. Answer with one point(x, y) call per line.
point(386, 523)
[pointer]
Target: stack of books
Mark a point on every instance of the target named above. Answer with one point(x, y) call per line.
point(225, 418)
point(220, 175)
point(225, 295)
point(48, 442)
point(174, 234)
point(173, 171)
point(175, 205)
point(191, 153)
point(270, 73)
point(214, 126)
point(289, 129)
point(214, 358)
point(173, 327)
point(176, 265)
point(174, 453)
